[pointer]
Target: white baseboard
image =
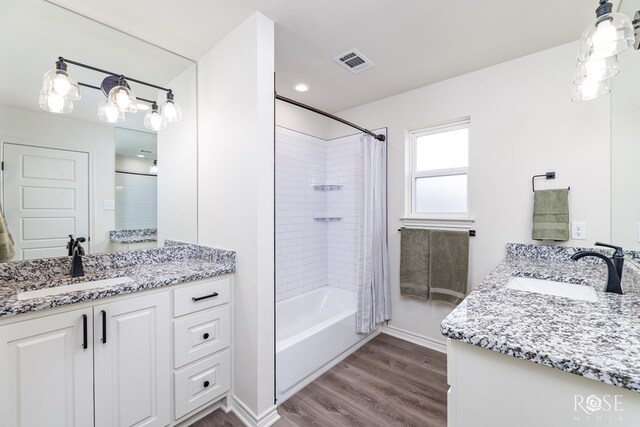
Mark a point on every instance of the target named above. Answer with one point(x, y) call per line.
point(249, 418)
point(327, 366)
point(421, 340)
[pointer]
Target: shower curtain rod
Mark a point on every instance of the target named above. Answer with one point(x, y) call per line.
point(331, 116)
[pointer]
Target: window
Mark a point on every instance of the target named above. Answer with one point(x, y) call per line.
point(439, 167)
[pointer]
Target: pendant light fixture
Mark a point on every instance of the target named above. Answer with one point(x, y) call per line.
point(170, 110)
point(153, 120)
point(154, 169)
point(598, 51)
point(59, 91)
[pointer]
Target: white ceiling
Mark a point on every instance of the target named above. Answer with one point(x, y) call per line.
point(128, 143)
point(412, 42)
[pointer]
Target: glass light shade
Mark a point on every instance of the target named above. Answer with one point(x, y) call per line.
point(154, 169)
point(612, 34)
point(107, 112)
point(58, 82)
point(591, 90)
point(155, 121)
point(55, 103)
point(172, 112)
point(596, 70)
point(123, 98)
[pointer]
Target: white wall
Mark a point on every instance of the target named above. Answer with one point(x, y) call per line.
point(301, 242)
point(177, 165)
point(301, 120)
point(522, 123)
point(236, 193)
point(54, 131)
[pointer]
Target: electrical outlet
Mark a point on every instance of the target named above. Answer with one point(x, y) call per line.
point(579, 230)
point(109, 205)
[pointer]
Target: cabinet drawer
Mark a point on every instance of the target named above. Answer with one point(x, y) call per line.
point(201, 296)
point(201, 334)
point(201, 382)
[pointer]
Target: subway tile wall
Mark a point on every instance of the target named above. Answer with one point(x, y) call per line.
point(312, 254)
point(301, 242)
point(136, 201)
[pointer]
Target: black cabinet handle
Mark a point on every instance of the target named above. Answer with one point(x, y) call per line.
point(84, 332)
point(206, 384)
point(206, 335)
point(196, 299)
point(104, 326)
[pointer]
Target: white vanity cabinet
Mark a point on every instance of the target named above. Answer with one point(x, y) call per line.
point(132, 357)
point(46, 371)
point(149, 359)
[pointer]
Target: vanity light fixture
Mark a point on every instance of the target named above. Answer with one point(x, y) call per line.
point(154, 169)
point(153, 120)
point(598, 52)
point(59, 91)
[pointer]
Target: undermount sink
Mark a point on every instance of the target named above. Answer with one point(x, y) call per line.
point(57, 290)
point(549, 287)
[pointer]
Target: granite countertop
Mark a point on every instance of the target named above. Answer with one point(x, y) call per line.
point(139, 235)
point(598, 340)
point(149, 269)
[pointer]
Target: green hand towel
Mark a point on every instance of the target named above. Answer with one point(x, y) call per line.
point(414, 263)
point(7, 250)
point(551, 215)
point(449, 266)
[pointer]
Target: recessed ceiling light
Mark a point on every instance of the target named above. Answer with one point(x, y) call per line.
point(140, 155)
point(301, 87)
point(142, 106)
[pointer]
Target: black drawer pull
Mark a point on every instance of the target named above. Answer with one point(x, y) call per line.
point(206, 384)
point(104, 327)
point(84, 332)
point(196, 299)
point(206, 335)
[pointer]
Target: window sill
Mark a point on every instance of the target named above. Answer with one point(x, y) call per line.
point(459, 223)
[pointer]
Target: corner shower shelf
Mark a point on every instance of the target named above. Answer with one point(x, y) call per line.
point(328, 219)
point(328, 187)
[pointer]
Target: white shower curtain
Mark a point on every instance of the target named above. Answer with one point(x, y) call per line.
point(374, 300)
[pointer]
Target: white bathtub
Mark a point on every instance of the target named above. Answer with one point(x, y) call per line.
point(314, 331)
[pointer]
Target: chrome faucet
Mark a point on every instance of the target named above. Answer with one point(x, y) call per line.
point(614, 266)
point(76, 251)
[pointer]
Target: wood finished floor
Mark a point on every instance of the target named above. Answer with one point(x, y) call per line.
point(388, 382)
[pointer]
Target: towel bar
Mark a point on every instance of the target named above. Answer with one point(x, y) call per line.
point(472, 233)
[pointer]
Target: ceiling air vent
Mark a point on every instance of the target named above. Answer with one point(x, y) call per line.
point(354, 61)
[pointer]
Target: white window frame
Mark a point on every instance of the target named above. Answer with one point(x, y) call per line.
point(440, 219)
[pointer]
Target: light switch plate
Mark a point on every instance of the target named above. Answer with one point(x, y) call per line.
point(578, 230)
point(109, 205)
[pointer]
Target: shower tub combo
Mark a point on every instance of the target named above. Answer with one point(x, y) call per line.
point(314, 332)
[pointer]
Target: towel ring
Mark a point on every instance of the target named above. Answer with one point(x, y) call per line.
point(548, 175)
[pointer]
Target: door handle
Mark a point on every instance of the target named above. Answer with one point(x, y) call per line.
point(104, 326)
point(196, 299)
point(84, 332)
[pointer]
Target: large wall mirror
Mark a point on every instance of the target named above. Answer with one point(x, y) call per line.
point(625, 145)
point(120, 185)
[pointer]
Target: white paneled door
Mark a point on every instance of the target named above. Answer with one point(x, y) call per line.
point(46, 198)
